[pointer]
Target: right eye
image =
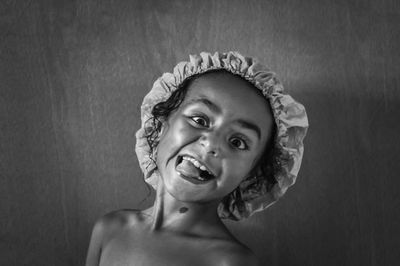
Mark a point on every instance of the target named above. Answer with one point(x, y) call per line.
point(199, 120)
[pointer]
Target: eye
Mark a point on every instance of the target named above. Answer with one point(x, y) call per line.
point(238, 143)
point(199, 120)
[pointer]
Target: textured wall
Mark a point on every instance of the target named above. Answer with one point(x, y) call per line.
point(72, 77)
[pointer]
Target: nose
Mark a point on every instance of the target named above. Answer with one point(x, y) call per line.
point(211, 144)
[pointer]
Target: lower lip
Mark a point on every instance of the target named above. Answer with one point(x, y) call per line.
point(193, 180)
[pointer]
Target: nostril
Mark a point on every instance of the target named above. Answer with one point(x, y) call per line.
point(213, 152)
point(210, 144)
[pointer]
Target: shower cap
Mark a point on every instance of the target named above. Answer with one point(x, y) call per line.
point(255, 193)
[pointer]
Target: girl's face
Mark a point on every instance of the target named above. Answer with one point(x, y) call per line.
point(214, 139)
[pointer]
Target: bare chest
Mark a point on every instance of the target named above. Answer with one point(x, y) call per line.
point(152, 249)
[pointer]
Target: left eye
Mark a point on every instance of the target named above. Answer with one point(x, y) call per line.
point(200, 121)
point(238, 143)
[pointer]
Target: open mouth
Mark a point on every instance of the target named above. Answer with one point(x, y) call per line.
point(190, 168)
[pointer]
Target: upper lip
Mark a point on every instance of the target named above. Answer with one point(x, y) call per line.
point(200, 161)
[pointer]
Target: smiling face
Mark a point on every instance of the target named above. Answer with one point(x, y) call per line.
point(214, 139)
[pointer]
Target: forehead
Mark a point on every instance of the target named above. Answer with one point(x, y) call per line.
point(235, 98)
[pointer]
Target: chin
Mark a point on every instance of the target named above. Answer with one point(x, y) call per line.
point(184, 191)
point(188, 189)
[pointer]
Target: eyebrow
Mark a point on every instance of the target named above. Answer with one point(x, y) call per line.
point(215, 108)
point(212, 106)
point(249, 125)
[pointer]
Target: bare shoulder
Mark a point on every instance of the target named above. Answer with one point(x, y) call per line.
point(120, 218)
point(113, 222)
point(234, 254)
point(106, 228)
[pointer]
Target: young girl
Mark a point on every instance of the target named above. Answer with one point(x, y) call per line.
point(219, 139)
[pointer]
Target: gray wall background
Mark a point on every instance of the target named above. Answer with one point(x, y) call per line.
point(72, 77)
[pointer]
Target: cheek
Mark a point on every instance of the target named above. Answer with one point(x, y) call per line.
point(174, 136)
point(241, 167)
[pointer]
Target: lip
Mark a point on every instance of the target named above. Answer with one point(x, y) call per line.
point(196, 158)
point(188, 178)
point(193, 180)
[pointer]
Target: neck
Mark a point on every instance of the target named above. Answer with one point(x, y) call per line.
point(170, 214)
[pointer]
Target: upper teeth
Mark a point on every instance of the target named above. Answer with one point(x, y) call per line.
point(195, 163)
